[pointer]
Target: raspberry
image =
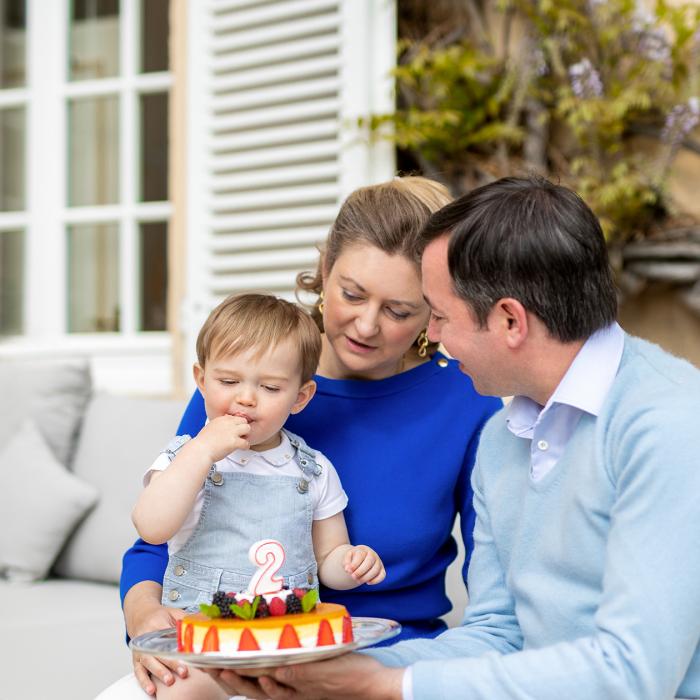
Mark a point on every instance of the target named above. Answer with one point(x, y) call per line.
point(277, 607)
point(300, 592)
point(293, 605)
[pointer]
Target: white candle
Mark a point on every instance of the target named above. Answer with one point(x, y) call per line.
point(268, 556)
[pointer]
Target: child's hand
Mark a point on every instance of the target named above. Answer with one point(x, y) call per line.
point(364, 565)
point(222, 435)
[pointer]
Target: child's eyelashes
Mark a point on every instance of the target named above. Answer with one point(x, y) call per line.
point(268, 387)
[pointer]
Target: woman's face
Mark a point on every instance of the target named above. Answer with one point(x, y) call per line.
point(373, 312)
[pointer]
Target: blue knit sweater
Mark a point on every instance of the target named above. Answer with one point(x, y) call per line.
point(404, 448)
point(584, 585)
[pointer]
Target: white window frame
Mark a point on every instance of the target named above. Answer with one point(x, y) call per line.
point(131, 360)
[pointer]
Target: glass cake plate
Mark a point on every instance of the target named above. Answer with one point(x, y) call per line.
point(365, 630)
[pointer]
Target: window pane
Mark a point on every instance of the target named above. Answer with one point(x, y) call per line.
point(155, 28)
point(11, 281)
point(154, 275)
point(94, 39)
point(13, 38)
point(93, 278)
point(12, 159)
point(93, 156)
point(154, 147)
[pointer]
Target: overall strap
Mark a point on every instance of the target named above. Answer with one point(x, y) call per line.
point(304, 456)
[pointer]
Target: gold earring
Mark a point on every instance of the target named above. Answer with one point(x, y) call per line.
point(423, 343)
point(320, 303)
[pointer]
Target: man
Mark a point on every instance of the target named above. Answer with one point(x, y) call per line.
point(584, 579)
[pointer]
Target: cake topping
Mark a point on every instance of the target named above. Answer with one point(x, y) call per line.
point(238, 605)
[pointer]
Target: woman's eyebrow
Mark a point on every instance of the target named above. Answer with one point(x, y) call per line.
point(390, 301)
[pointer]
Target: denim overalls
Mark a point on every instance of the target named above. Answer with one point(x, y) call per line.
point(239, 509)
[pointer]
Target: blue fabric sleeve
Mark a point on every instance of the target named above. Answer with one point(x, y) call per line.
point(147, 562)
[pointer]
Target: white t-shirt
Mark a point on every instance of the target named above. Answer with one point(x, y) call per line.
point(325, 490)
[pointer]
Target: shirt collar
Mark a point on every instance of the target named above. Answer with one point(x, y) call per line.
point(276, 456)
point(584, 386)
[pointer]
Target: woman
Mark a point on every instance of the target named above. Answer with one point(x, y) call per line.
point(399, 421)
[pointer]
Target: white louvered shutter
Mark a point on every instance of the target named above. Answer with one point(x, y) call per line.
point(275, 90)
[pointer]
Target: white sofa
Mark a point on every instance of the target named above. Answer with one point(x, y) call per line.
point(62, 637)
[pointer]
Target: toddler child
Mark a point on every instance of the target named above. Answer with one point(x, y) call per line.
point(245, 478)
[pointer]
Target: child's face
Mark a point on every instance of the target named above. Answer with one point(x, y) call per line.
point(264, 390)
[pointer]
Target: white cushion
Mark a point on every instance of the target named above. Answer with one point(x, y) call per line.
point(52, 393)
point(119, 439)
point(61, 640)
point(40, 504)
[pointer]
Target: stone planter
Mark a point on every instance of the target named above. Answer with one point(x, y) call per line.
point(660, 286)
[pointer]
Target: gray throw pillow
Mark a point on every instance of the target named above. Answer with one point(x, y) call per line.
point(52, 393)
point(40, 504)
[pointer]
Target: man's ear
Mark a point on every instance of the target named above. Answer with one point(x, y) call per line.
point(198, 374)
point(306, 393)
point(511, 319)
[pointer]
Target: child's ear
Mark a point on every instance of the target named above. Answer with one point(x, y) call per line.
point(198, 374)
point(306, 393)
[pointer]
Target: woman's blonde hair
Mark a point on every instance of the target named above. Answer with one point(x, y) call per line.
point(260, 321)
point(388, 216)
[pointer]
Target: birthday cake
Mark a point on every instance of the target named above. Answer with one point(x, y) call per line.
point(282, 620)
point(265, 617)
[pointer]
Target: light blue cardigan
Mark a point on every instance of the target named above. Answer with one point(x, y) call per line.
point(584, 585)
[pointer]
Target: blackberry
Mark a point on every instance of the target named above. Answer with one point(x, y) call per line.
point(223, 601)
point(293, 605)
point(263, 609)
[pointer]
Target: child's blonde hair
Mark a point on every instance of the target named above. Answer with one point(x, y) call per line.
point(245, 321)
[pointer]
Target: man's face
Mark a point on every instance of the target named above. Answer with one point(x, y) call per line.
point(453, 324)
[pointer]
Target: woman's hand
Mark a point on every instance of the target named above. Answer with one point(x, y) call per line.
point(144, 613)
point(349, 677)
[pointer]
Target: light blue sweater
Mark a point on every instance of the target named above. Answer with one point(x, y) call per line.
point(584, 585)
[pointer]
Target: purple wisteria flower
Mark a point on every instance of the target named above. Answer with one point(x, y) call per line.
point(682, 119)
point(585, 80)
point(652, 40)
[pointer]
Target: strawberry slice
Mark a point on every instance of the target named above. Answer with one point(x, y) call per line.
point(211, 640)
point(189, 636)
point(248, 642)
point(347, 630)
point(289, 638)
point(325, 634)
point(180, 643)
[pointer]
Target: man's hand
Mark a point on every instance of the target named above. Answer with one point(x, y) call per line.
point(349, 677)
point(364, 565)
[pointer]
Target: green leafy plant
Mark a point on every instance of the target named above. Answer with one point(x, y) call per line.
point(598, 94)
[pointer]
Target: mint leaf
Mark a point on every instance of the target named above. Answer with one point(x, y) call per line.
point(308, 602)
point(243, 611)
point(254, 609)
point(210, 610)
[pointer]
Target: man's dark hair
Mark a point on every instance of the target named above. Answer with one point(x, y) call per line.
point(536, 242)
